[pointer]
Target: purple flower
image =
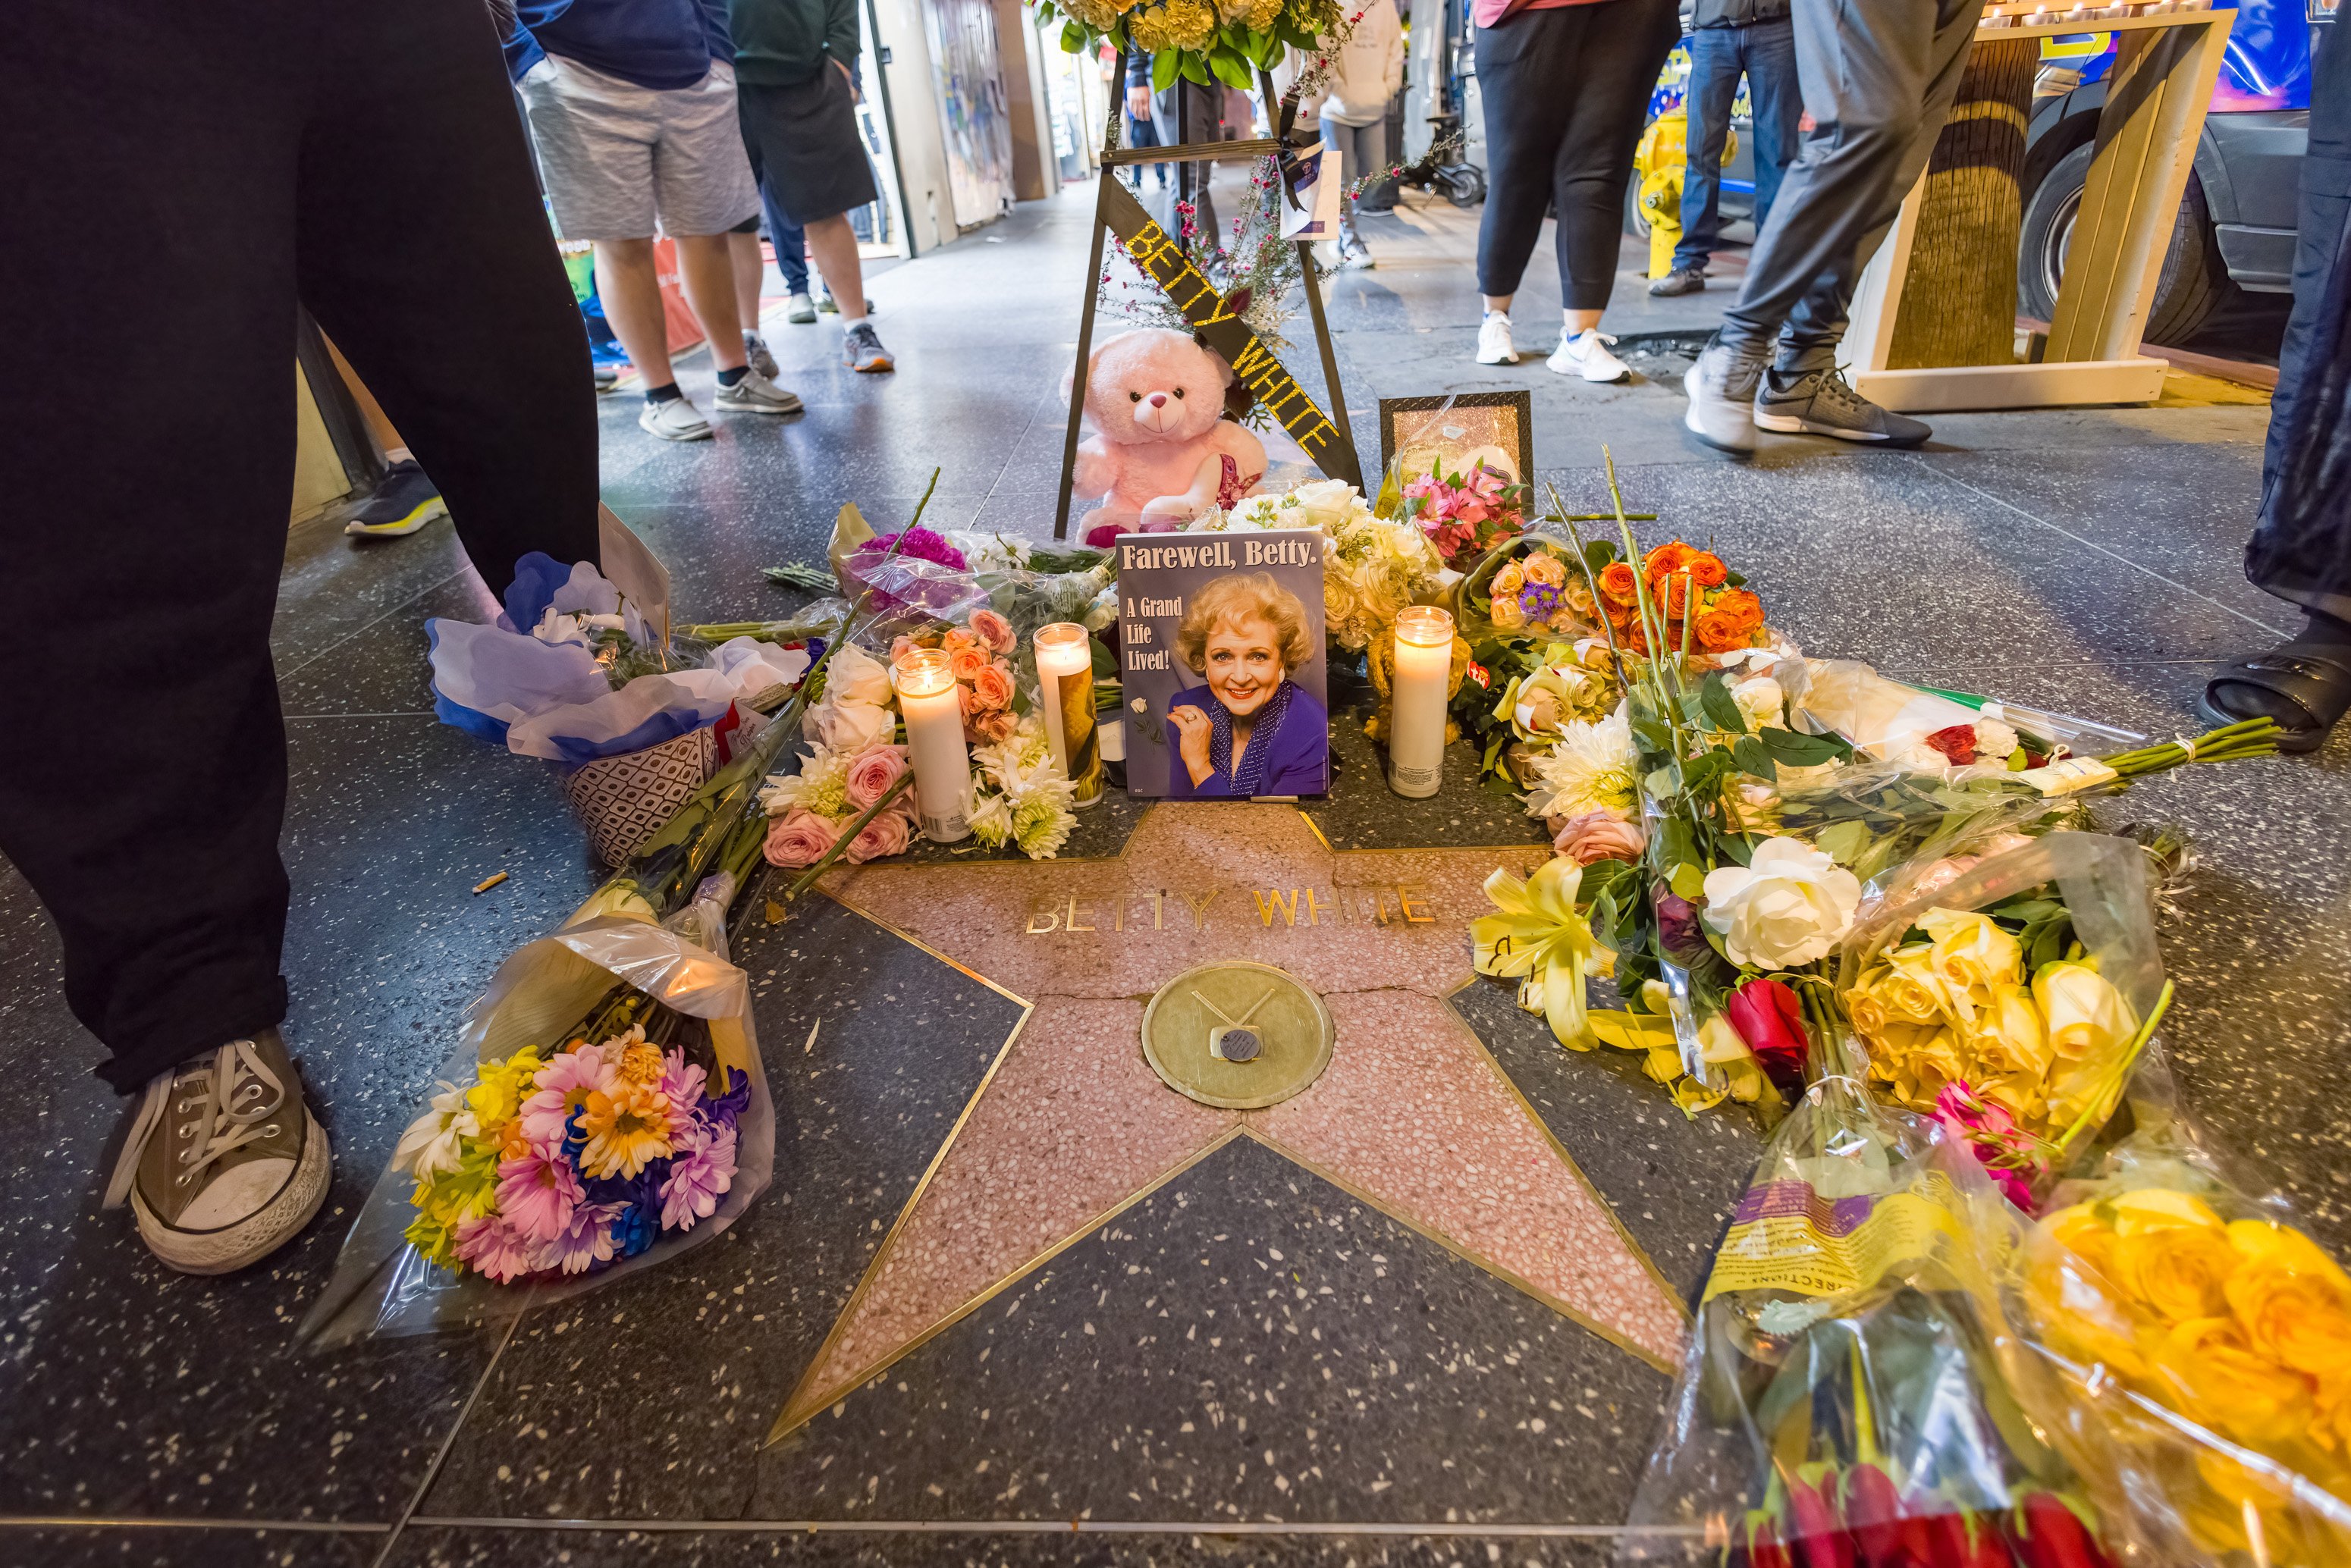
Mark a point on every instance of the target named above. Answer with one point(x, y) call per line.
point(587, 1242)
point(725, 1110)
point(703, 1169)
point(682, 1082)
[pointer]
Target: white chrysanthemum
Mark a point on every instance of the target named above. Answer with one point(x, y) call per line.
point(822, 785)
point(1593, 768)
point(1994, 740)
point(434, 1142)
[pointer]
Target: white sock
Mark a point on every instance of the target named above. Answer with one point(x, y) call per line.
point(850, 323)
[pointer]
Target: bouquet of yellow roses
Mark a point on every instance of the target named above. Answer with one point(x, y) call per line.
point(2010, 994)
point(2190, 1349)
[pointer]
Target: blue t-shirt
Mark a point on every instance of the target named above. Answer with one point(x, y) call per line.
point(661, 45)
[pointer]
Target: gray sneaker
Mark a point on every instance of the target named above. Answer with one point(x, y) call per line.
point(223, 1163)
point(676, 420)
point(1680, 280)
point(755, 394)
point(754, 349)
point(1824, 403)
point(799, 310)
point(1721, 387)
point(862, 349)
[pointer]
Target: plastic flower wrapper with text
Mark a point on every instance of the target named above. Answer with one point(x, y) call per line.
point(1839, 1402)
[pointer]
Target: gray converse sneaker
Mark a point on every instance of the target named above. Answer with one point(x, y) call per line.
point(755, 394)
point(223, 1163)
point(1721, 388)
point(1824, 403)
point(754, 351)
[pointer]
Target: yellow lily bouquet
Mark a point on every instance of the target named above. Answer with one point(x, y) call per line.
point(2196, 1352)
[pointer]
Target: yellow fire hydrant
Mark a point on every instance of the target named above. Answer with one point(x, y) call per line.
point(1659, 162)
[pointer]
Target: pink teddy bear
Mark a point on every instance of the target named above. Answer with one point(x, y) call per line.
point(1163, 452)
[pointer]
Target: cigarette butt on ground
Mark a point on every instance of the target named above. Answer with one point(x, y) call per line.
point(488, 883)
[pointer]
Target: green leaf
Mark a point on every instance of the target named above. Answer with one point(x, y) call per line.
point(1599, 555)
point(1841, 842)
point(1230, 69)
point(1164, 67)
point(1804, 750)
point(1714, 696)
point(1736, 849)
point(1650, 734)
point(1754, 757)
point(1194, 69)
point(1678, 847)
point(1687, 882)
point(1073, 38)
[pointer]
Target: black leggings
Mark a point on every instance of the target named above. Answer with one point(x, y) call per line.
point(1566, 92)
point(366, 161)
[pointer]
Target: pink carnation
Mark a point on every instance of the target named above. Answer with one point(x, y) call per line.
point(885, 835)
point(1986, 1130)
point(799, 839)
point(1597, 836)
point(993, 631)
point(872, 772)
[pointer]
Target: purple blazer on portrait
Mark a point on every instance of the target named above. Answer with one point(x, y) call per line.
point(1292, 736)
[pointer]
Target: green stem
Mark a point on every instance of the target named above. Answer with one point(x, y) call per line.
point(916, 519)
point(2097, 1109)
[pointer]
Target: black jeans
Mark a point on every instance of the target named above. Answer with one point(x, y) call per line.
point(178, 178)
point(2300, 551)
point(1566, 92)
point(1879, 77)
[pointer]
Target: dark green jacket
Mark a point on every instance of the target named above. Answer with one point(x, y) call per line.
point(782, 43)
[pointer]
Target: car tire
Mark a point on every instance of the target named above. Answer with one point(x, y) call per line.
point(2193, 284)
point(1636, 222)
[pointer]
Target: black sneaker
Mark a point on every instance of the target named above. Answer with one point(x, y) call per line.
point(1823, 403)
point(223, 1163)
point(1680, 280)
point(862, 349)
point(403, 501)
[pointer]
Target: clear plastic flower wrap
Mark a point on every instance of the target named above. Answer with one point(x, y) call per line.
point(1454, 474)
point(700, 1114)
point(2008, 987)
point(2187, 1347)
point(1892, 720)
point(1839, 1401)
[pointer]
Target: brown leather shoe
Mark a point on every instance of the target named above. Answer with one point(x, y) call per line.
point(224, 1164)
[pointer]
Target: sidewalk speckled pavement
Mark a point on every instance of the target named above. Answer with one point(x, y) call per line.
point(1253, 1361)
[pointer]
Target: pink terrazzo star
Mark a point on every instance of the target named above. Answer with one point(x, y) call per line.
point(1411, 1115)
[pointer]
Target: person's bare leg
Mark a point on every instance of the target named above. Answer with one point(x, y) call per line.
point(1498, 302)
point(631, 291)
point(1582, 321)
point(750, 268)
point(705, 264)
point(832, 243)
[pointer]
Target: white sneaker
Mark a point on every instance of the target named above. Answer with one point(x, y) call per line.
point(676, 420)
point(799, 310)
point(755, 394)
point(1586, 355)
point(1494, 346)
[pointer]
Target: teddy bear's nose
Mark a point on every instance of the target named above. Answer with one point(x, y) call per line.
point(1159, 400)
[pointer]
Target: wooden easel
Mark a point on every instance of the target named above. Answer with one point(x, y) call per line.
point(2162, 81)
point(1117, 210)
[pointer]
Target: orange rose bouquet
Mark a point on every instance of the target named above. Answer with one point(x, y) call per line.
point(2191, 1348)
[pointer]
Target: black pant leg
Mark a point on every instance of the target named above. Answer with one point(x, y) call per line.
point(426, 255)
point(2302, 550)
point(1521, 74)
point(1623, 46)
point(152, 141)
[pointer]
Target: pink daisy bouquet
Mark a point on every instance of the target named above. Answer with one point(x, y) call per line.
point(560, 1164)
point(1466, 513)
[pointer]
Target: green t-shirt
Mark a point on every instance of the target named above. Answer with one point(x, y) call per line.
point(782, 43)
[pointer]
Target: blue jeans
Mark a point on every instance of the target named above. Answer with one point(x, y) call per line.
point(1766, 53)
point(790, 242)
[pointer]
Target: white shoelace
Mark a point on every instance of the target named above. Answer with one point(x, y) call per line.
point(223, 1099)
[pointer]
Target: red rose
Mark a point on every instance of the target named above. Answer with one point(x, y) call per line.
point(1769, 1017)
point(1957, 743)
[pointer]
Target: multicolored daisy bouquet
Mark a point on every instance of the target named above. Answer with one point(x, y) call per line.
point(562, 1162)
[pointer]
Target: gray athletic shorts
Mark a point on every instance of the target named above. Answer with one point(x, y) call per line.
point(616, 156)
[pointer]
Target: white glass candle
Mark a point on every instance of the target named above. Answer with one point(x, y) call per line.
point(1424, 659)
point(1065, 670)
point(933, 716)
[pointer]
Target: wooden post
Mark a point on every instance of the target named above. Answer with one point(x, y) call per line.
point(1963, 254)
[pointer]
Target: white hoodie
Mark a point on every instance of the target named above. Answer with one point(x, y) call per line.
point(1366, 74)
